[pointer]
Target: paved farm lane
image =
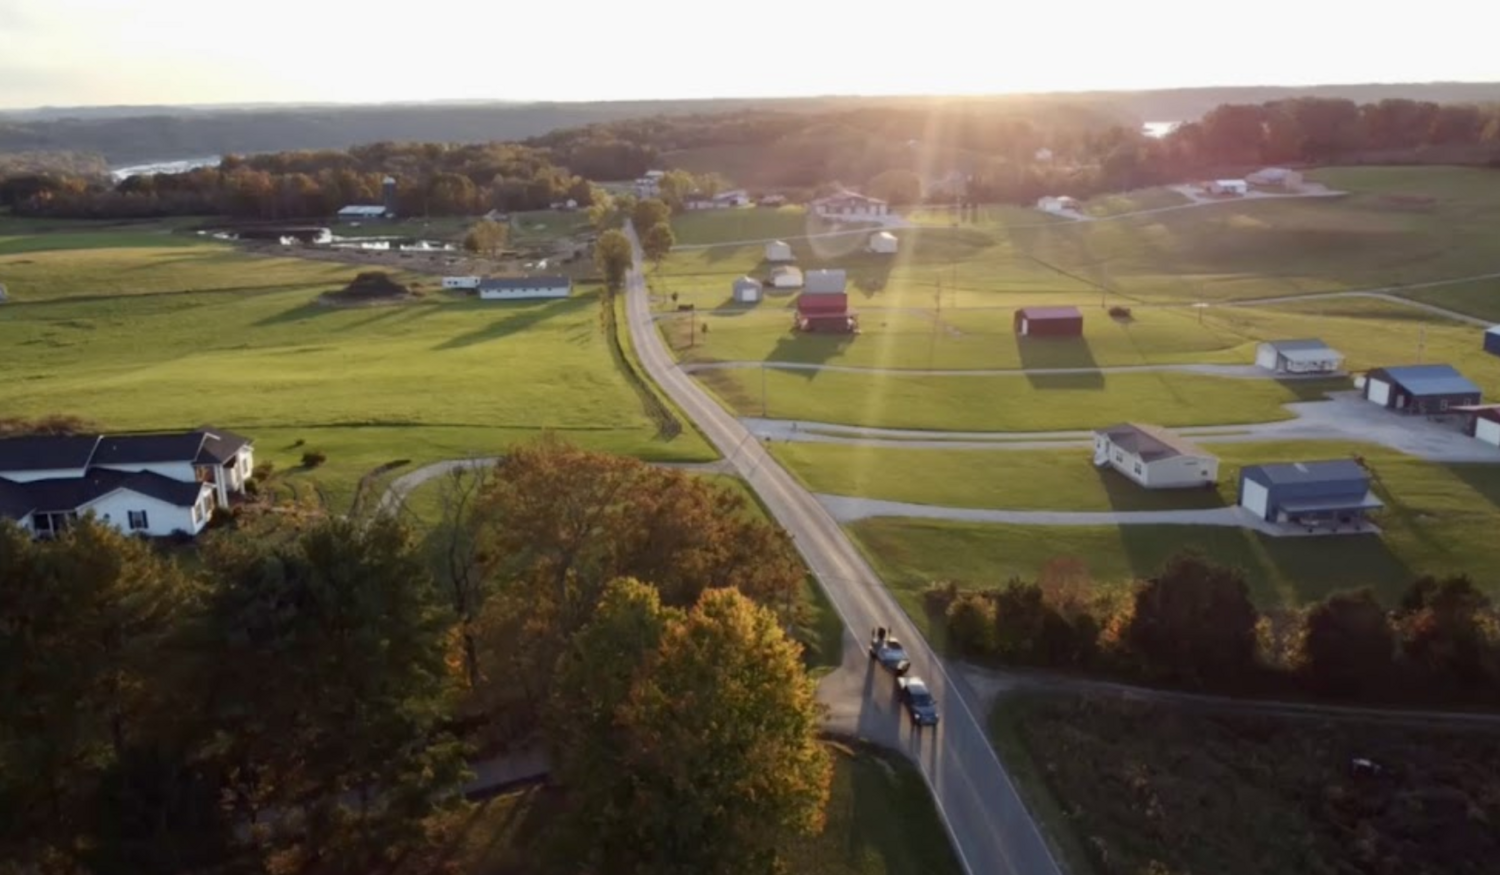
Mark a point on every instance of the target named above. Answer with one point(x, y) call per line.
point(990, 827)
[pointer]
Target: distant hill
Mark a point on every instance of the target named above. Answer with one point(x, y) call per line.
point(133, 134)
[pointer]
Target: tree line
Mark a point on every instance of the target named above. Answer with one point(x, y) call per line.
point(303, 699)
point(1192, 624)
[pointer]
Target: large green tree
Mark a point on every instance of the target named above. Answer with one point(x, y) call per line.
point(613, 257)
point(487, 237)
point(1348, 647)
point(717, 761)
point(87, 661)
point(658, 241)
point(1193, 621)
point(648, 213)
point(329, 687)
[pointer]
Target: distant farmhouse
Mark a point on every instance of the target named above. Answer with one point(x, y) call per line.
point(1276, 177)
point(1057, 204)
point(849, 203)
point(724, 200)
point(1231, 187)
point(147, 484)
point(1308, 356)
point(649, 186)
point(1420, 389)
point(1154, 457)
point(1327, 495)
point(366, 212)
point(518, 288)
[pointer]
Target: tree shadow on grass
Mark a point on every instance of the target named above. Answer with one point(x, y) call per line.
point(1126, 495)
point(1314, 388)
point(1480, 477)
point(300, 313)
point(1317, 565)
point(809, 347)
point(730, 307)
point(1050, 353)
point(513, 321)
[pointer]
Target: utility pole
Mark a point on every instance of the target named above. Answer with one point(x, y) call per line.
point(1421, 342)
point(763, 390)
point(692, 327)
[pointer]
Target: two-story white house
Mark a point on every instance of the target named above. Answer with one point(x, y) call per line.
point(148, 484)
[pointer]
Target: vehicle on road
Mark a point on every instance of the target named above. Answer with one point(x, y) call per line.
point(889, 653)
point(918, 701)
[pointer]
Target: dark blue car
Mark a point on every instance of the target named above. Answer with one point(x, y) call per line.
point(918, 701)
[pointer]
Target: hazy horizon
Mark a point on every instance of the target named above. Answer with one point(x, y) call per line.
point(76, 53)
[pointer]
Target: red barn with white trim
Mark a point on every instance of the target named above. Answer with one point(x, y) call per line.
point(1049, 322)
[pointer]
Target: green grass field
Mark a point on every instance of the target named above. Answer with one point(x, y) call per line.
point(1010, 402)
point(1479, 298)
point(541, 226)
point(1140, 787)
point(1438, 519)
point(1133, 202)
point(242, 343)
point(881, 821)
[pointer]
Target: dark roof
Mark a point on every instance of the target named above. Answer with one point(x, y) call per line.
point(15, 501)
point(139, 449)
point(1305, 345)
point(1430, 380)
point(1044, 313)
point(219, 445)
point(1151, 442)
point(1346, 472)
point(70, 493)
point(46, 452)
point(526, 282)
point(178, 492)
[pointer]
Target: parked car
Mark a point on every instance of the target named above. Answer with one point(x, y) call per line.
point(889, 653)
point(918, 701)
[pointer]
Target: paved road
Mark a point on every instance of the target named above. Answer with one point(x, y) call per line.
point(989, 825)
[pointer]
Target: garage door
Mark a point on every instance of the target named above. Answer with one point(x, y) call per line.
point(1253, 497)
point(1379, 391)
point(1487, 431)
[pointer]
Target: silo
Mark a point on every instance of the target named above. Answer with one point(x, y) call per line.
point(388, 194)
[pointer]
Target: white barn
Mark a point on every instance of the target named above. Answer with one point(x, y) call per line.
point(883, 243)
point(1308, 356)
point(779, 250)
point(786, 277)
point(746, 290)
point(521, 288)
point(1154, 457)
point(460, 282)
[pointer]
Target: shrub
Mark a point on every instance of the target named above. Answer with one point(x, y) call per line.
point(252, 487)
point(313, 458)
point(971, 624)
point(263, 470)
point(939, 595)
point(1119, 312)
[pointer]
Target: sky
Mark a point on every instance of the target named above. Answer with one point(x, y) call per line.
point(107, 52)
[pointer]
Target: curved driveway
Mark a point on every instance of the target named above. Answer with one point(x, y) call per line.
point(990, 827)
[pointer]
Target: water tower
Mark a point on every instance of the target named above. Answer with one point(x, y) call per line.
point(388, 194)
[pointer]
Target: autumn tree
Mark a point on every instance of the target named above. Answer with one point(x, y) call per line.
point(719, 761)
point(1193, 621)
point(1348, 647)
point(328, 687)
point(487, 238)
point(674, 187)
point(649, 213)
point(658, 241)
point(87, 625)
point(613, 257)
point(1448, 636)
point(971, 624)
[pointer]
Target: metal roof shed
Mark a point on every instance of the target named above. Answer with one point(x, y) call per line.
point(1049, 322)
point(1306, 356)
point(1492, 340)
point(1336, 491)
point(1420, 388)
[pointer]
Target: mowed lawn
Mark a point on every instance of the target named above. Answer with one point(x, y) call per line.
point(1014, 403)
point(880, 821)
point(735, 226)
point(1133, 202)
point(1438, 519)
point(442, 378)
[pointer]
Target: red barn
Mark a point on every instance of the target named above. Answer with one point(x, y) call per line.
point(1049, 322)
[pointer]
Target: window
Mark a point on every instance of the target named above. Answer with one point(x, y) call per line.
point(138, 520)
point(1442, 403)
point(1137, 467)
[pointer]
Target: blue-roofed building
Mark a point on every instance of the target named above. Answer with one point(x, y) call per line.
point(1425, 389)
point(1328, 495)
point(1491, 339)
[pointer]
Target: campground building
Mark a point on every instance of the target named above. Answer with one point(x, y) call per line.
point(1310, 356)
point(1230, 187)
point(460, 282)
point(849, 203)
point(1484, 423)
point(1420, 389)
point(824, 303)
point(746, 290)
point(883, 243)
point(779, 251)
point(521, 288)
point(1154, 457)
point(1327, 495)
point(1049, 322)
point(786, 277)
point(1276, 177)
point(1492, 340)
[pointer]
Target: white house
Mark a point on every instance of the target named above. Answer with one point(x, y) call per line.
point(1056, 204)
point(1309, 356)
point(460, 282)
point(148, 484)
point(650, 184)
point(356, 212)
point(1154, 457)
point(786, 277)
point(849, 203)
point(519, 288)
point(747, 290)
point(1276, 177)
point(883, 242)
point(734, 198)
point(1236, 187)
point(779, 250)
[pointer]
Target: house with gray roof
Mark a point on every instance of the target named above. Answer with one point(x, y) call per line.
point(1154, 457)
point(1306, 356)
point(1328, 495)
point(1420, 389)
point(521, 288)
point(825, 282)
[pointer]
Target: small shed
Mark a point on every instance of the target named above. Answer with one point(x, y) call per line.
point(747, 290)
point(1491, 340)
point(460, 282)
point(1482, 423)
point(1325, 494)
point(1049, 322)
point(778, 250)
point(1307, 356)
point(1423, 389)
point(786, 277)
point(883, 242)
